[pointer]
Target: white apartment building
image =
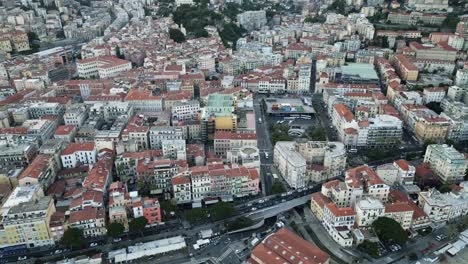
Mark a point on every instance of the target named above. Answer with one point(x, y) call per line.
point(159, 133)
point(206, 62)
point(338, 222)
point(360, 182)
point(442, 207)
point(37, 110)
point(75, 115)
point(185, 110)
point(78, 153)
point(400, 171)
point(110, 110)
point(182, 188)
point(248, 157)
point(435, 94)
point(379, 131)
point(102, 67)
point(324, 159)
point(183, 2)
point(461, 78)
point(290, 164)
point(368, 210)
point(449, 164)
point(218, 182)
point(225, 141)
point(174, 149)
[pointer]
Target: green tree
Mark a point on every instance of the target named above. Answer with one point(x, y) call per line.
point(445, 188)
point(451, 21)
point(309, 19)
point(280, 133)
point(317, 134)
point(201, 33)
point(196, 214)
point(435, 106)
point(389, 230)
point(222, 210)
point(72, 238)
point(278, 187)
point(176, 35)
point(369, 247)
point(138, 224)
point(119, 52)
point(32, 36)
point(239, 223)
point(115, 230)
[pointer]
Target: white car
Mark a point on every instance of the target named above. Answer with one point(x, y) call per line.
point(22, 258)
point(93, 244)
point(58, 251)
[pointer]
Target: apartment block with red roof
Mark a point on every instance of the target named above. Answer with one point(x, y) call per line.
point(359, 182)
point(182, 188)
point(42, 170)
point(405, 68)
point(225, 141)
point(338, 222)
point(102, 67)
point(126, 163)
point(66, 133)
point(57, 226)
point(317, 204)
point(158, 173)
point(100, 176)
point(285, 246)
point(77, 154)
point(401, 212)
point(91, 220)
point(216, 181)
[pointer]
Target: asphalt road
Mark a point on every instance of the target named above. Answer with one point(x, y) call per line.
point(265, 146)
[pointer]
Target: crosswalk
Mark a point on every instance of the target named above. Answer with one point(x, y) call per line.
point(224, 255)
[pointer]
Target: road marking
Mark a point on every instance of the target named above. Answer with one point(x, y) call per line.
point(225, 254)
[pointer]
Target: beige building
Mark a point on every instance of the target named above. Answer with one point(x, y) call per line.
point(449, 164)
point(317, 203)
point(28, 223)
point(368, 210)
point(401, 212)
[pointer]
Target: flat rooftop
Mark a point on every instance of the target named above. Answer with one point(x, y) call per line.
point(279, 106)
point(363, 70)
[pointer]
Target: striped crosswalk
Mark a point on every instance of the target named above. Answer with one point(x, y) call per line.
point(225, 254)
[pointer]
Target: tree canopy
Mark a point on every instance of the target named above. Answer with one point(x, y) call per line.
point(239, 223)
point(370, 248)
point(278, 187)
point(115, 229)
point(222, 210)
point(279, 132)
point(138, 224)
point(176, 35)
point(73, 238)
point(317, 134)
point(389, 230)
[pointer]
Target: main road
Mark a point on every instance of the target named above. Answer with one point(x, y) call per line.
point(265, 147)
